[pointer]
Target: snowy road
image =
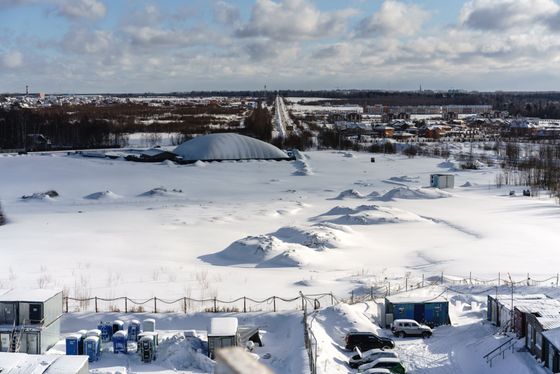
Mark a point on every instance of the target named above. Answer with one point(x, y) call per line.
point(281, 118)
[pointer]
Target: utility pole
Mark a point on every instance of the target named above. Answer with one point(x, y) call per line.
point(512, 314)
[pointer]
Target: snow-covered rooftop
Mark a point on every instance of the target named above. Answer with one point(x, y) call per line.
point(553, 336)
point(37, 295)
point(228, 146)
point(223, 326)
point(47, 364)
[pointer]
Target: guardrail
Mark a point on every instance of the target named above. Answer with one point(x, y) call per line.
point(501, 350)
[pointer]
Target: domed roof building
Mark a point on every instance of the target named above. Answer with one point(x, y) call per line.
point(228, 146)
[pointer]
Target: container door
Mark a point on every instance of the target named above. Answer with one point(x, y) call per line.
point(32, 344)
point(4, 342)
point(35, 313)
point(419, 312)
point(8, 313)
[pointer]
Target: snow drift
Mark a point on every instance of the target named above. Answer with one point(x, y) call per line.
point(413, 194)
point(161, 192)
point(377, 215)
point(103, 195)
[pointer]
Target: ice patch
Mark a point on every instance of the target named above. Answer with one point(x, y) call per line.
point(413, 194)
point(103, 195)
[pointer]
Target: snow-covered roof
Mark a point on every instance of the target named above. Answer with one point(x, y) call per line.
point(226, 326)
point(553, 336)
point(228, 146)
point(37, 295)
point(46, 364)
point(531, 303)
point(419, 296)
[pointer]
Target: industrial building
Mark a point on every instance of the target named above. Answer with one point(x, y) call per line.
point(29, 320)
point(429, 311)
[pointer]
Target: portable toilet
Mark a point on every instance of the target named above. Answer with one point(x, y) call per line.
point(118, 325)
point(152, 335)
point(149, 325)
point(223, 333)
point(83, 336)
point(94, 333)
point(91, 348)
point(120, 342)
point(106, 331)
point(72, 344)
point(147, 349)
point(134, 328)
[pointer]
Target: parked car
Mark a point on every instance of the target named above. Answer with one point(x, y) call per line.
point(379, 371)
point(409, 327)
point(369, 361)
point(369, 356)
point(394, 365)
point(366, 341)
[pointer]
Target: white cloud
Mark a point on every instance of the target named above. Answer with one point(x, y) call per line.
point(226, 13)
point(394, 18)
point(82, 40)
point(12, 60)
point(506, 14)
point(77, 9)
point(293, 20)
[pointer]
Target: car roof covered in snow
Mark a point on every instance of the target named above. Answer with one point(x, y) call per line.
point(36, 295)
point(228, 146)
point(46, 364)
point(223, 326)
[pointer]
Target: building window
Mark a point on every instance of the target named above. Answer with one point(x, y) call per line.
point(538, 342)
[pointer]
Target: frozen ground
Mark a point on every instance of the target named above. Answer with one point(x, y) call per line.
point(327, 222)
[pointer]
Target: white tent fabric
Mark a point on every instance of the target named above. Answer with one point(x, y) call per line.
point(227, 146)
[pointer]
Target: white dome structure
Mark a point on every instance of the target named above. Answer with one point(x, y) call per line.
point(228, 146)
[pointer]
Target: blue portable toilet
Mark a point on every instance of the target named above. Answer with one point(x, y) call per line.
point(106, 331)
point(91, 348)
point(120, 342)
point(134, 329)
point(118, 325)
point(95, 333)
point(73, 344)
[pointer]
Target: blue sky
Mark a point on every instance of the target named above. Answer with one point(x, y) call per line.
point(182, 45)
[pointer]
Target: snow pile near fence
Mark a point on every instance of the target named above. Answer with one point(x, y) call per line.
point(103, 195)
point(178, 352)
point(413, 194)
point(161, 192)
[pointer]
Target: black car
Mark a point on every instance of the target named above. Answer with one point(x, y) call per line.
point(366, 341)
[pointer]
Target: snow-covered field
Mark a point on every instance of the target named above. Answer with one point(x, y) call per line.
point(328, 222)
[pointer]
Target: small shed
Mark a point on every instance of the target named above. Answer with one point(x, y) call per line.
point(442, 180)
point(426, 310)
point(551, 347)
point(537, 324)
point(222, 333)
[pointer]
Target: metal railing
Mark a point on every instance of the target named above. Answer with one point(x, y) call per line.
point(501, 350)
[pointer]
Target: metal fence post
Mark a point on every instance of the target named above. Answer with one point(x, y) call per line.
point(126, 304)
point(274, 303)
point(96, 310)
point(244, 304)
point(185, 304)
point(215, 305)
point(155, 304)
point(66, 300)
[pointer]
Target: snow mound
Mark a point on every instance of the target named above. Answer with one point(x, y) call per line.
point(380, 215)
point(103, 195)
point(349, 194)
point(316, 237)
point(341, 210)
point(168, 163)
point(413, 194)
point(200, 164)
point(302, 168)
point(181, 354)
point(467, 184)
point(293, 257)
point(161, 192)
point(450, 165)
point(404, 179)
point(50, 195)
